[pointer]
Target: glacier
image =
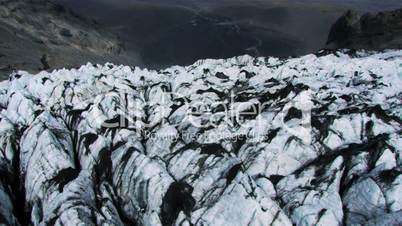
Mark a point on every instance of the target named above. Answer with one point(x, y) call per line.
point(312, 140)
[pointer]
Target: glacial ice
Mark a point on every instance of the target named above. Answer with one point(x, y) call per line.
point(314, 140)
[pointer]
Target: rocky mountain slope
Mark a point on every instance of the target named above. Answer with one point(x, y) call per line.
point(314, 140)
point(40, 34)
point(369, 31)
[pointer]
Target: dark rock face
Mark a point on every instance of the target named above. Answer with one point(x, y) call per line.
point(369, 31)
point(321, 143)
point(31, 30)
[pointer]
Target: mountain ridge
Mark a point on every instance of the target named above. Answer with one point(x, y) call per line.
point(40, 35)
